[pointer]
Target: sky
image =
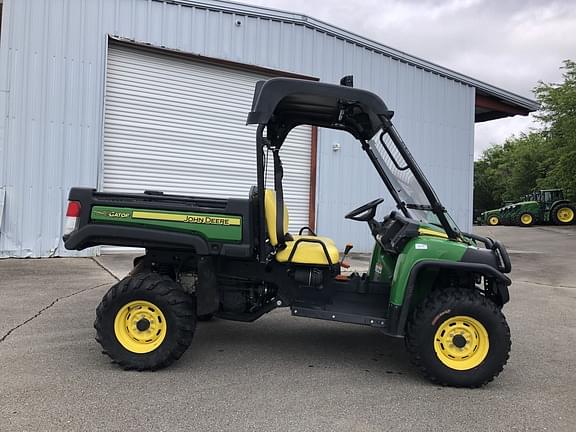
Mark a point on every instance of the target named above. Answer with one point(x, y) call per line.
point(511, 44)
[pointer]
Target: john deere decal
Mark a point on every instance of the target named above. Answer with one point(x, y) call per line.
point(186, 217)
point(213, 226)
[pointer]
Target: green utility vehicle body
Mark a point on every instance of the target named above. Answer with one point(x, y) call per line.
point(224, 234)
point(439, 288)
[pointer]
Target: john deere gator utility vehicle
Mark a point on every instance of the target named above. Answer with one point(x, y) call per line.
point(440, 289)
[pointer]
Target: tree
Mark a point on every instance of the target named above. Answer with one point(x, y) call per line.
point(558, 118)
point(544, 158)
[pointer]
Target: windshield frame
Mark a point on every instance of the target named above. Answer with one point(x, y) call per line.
point(435, 206)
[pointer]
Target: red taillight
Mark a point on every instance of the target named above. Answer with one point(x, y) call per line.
point(72, 217)
point(73, 209)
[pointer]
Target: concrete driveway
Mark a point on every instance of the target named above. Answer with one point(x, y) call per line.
point(280, 373)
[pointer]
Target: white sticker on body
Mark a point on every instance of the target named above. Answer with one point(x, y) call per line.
point(421, 246)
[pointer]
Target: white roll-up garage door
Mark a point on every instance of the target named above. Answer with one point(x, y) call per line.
point(179, 126)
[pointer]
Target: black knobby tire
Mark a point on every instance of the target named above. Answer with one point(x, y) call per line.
point(206, 317)
point(554, 214)
point(178, 308)
point(439, 307)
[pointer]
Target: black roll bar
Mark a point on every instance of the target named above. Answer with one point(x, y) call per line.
point(260, 143)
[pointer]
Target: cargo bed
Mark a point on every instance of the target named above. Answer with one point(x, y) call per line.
point(208, 226)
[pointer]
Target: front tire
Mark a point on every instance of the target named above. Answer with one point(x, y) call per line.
point(145, 322)
point(459, 338)
point(493, 220)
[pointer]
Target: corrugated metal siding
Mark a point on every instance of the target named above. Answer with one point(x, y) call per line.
point(51, 58)
point(52, 63)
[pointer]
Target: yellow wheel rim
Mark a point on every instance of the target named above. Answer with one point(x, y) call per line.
point(526, 219)
point(461, 343)
point(493, 220)
point(140, 326)
point(565, 214)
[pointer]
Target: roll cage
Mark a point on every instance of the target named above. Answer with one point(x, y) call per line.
point(281, 104)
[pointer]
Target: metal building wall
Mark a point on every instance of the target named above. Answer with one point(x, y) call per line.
point(52, 72)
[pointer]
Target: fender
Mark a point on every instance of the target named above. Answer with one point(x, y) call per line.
point(115, 235)
point(558, 203)
point(399, 315)
point(550, 210)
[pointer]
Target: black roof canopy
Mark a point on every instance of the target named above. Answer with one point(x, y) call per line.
point(284, 103)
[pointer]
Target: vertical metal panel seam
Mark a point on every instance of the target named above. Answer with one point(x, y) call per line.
point(21, 214)
point(42, 121)
point(104, 73)
point(5, 86)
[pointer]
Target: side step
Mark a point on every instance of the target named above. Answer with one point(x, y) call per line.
point(371, 321)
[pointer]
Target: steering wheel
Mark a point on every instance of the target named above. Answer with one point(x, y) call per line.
point(365, 212)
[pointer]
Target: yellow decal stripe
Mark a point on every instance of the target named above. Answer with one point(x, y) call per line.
point(197, 219)
point(426, 231)
point(159, 216)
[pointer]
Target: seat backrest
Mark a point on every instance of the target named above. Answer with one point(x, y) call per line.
point(270, 214)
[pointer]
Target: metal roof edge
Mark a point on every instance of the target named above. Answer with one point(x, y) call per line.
point(296, 18)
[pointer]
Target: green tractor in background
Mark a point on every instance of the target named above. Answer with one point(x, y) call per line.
point(492, 217)
point(547, 206)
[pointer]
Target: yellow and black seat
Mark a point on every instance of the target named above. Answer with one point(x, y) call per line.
point(299, 249)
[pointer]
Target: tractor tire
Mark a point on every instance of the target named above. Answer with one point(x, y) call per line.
point(459, 338)
point(206, 317)
point(563, 214)
point(145, 322)
point(493, 220)
point(526, 219)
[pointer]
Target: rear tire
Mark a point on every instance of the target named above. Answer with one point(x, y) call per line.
point(145, 322)
point(563, 214)
point(459, 338)
point(206, 317)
